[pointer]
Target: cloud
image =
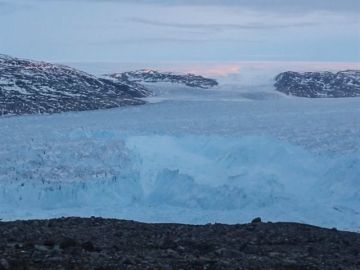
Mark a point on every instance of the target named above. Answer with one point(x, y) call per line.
point(176, 40)
point(6, 7)
point(222, 26)
point(297, 6)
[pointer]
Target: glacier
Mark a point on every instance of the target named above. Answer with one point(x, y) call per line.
point(189, 156)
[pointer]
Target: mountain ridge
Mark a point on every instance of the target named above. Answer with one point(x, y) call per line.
point(30, 87)
point(319, 84)
point(154, 76)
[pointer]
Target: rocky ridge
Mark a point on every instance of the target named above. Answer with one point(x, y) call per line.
point(319, 84)
point(152, 76)
point(29, 87)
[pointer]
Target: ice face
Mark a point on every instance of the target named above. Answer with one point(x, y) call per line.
point(187, 178)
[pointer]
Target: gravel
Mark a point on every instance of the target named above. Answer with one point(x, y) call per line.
point(97, 243)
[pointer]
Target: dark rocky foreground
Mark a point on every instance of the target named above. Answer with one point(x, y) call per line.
point(95, 243)
point(319, 84)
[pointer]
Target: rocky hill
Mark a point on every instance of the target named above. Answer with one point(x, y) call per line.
point(96, 243)
point(319, 84)
point(152, 76)
point(29, 87)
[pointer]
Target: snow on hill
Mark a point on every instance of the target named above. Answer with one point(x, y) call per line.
point(152, 76)
point(28, 87)
point(319, 84)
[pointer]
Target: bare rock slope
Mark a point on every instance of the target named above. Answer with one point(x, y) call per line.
point(152, 76)
point(28, 87)
point(319, 84)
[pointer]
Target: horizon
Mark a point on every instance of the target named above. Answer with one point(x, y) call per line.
point(214, 68)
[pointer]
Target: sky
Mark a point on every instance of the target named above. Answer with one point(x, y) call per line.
point(186, 30)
